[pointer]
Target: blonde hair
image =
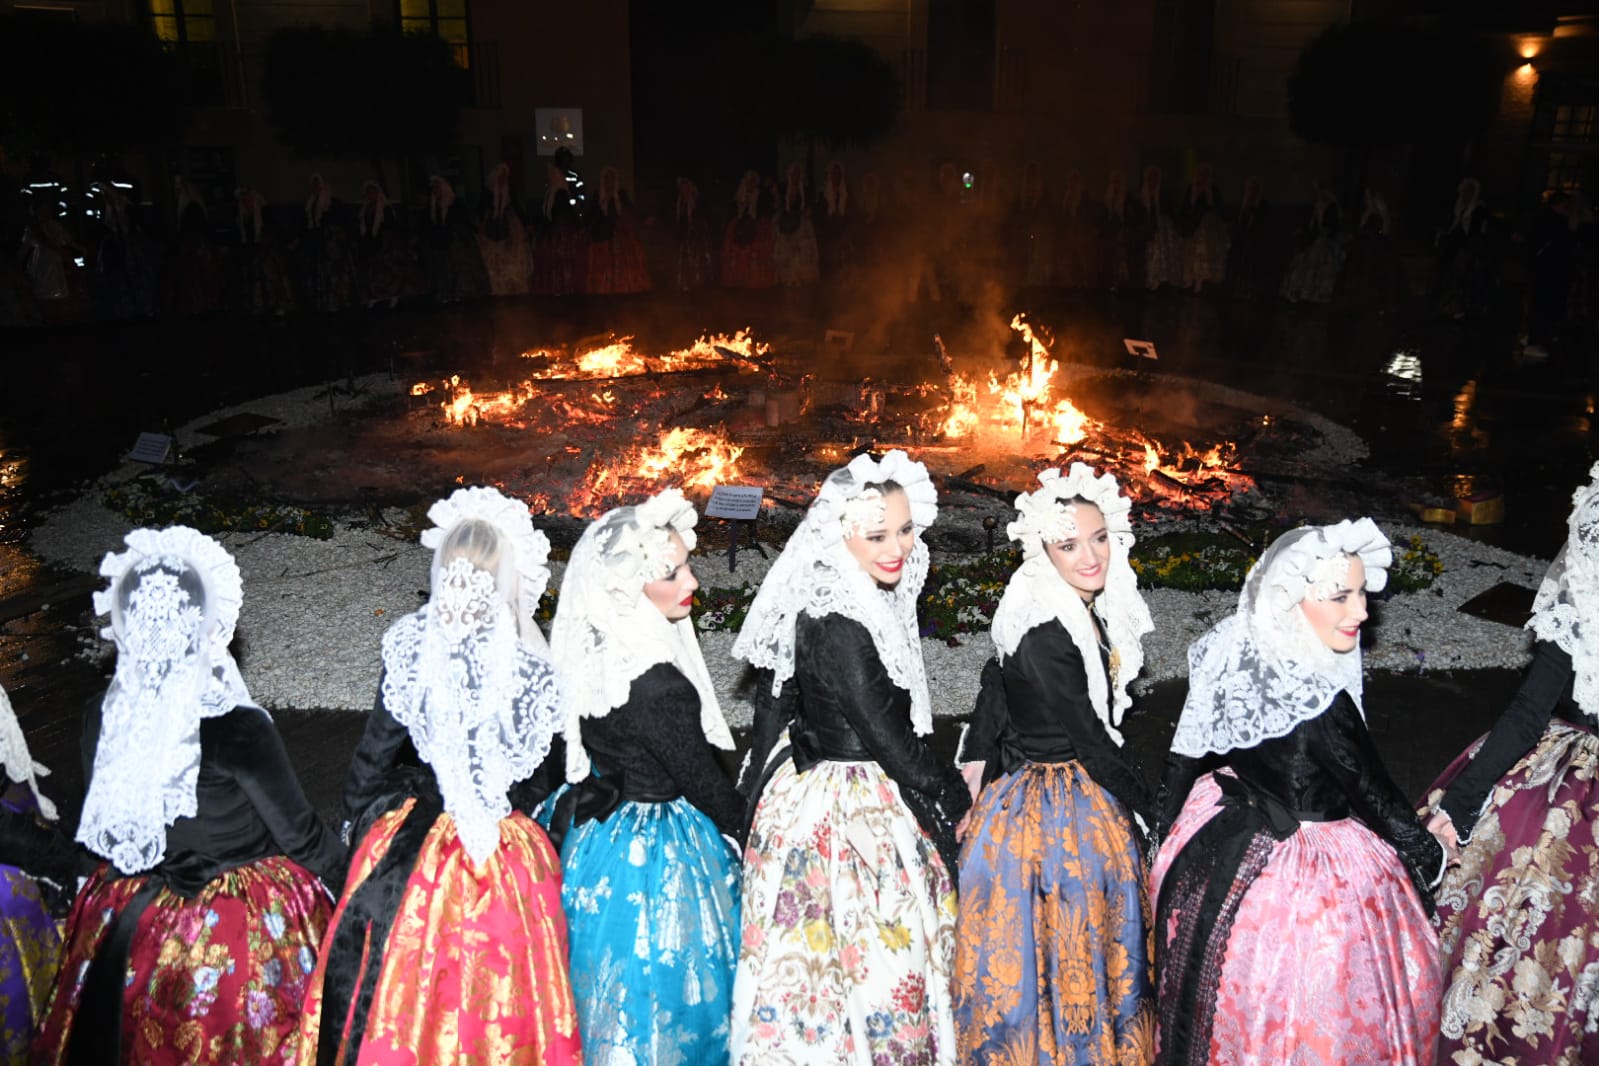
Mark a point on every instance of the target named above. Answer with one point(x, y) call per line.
point(482, 545)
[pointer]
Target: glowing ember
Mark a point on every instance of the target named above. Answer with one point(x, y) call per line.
point(619, 359)
point(613, 360)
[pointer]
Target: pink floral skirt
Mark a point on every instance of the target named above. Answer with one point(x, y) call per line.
point(1329, 958)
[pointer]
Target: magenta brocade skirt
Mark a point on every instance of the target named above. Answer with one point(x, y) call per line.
point(1330, 959)
point(1518, 917)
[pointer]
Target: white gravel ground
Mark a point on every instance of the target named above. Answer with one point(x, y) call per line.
point(314, 611)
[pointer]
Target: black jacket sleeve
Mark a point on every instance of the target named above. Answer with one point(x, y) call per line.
point(839, 659)
point(1342, 747)
point(1050, 671)
point(671, 733)
point(384, 745)
point(772, 715)
point(1176, 781)
point(989, 718)
point(254, 754)
point(1513, 736)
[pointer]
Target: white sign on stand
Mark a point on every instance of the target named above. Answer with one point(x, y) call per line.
point(1140, 349)
point(739, 503)
point(151, 448)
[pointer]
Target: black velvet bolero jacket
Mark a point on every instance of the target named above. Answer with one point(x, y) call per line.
point(1036, 708)
point(848, 709)
point(653, 749)
point(249, 805)
point(1323, 769)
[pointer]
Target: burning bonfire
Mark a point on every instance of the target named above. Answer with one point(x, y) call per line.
point(615, 423)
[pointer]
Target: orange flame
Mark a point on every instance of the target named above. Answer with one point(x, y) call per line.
point(1018, 405)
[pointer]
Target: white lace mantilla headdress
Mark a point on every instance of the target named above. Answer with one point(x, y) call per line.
point(14, 757)
point(607, 633)
point(1037, 594)
point(1263, 671)
point(817, 575)
point(1570, 588)
point(173, 599)
point(479, 703)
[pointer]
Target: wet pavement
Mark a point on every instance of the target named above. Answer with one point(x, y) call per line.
point(1445, 406)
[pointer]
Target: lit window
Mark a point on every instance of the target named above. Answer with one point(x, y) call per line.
point(181, 22)
point(445, 19)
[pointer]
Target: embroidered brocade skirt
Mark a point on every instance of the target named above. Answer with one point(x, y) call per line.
point(848, 927)
point(30, 947)
point(1052, 957)
point(617, 265)
point(217, 979)
point(474, 966)
point(651, 896)
point(1518, 918)
point(1326, 956)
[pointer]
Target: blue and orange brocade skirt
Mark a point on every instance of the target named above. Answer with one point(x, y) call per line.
point(1052, 950)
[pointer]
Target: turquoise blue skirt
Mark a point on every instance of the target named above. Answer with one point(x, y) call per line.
point(651, 895)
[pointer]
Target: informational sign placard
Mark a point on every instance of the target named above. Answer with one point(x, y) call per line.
point(1140, 349)
point(741, 503)
point(151, 448)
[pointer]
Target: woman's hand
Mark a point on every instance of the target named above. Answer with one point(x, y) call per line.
point(1441, 827)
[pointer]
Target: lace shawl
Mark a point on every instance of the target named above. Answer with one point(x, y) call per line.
point(14, 756)
point(1037, 594)
point(817, 575)
point(607, 633)
point(1263, 671)
point(1571, 587)
point(173, 669)
point(479, 705)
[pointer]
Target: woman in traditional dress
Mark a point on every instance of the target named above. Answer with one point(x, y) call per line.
point(1466, 255)
point(615, 253)
point(1372, 278)
point(450, 254)
point(502, 238)
point(194, 943)
point(30, 945)
point(836, 225)
point(1163, 245)
point(747, 257)
point(1030, 232)
point(1075, 239)
point(1120, 248)
point(197, 273)
point(449, 944)
point(1291, 892)
point(560, 256)
point(1313, 271)
point(327, 261)
point(651, 887)
point(696, 259)
point(1258, 249)
point(794, 244)
point(1519, 915)
point(1205, 246)
point(1051, 960)
point(849, 892)
point(389, 267)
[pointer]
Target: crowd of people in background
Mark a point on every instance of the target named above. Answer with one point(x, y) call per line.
point(936, 237)
point(542, 860)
